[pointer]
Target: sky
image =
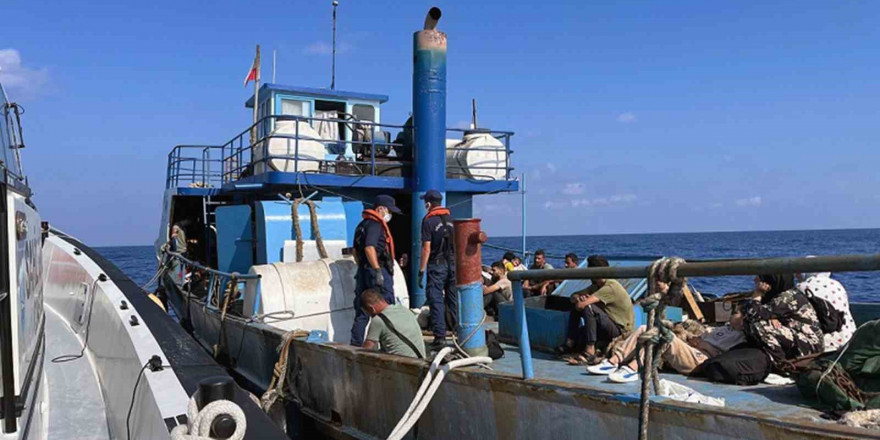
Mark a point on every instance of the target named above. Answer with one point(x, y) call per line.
point(630, 117)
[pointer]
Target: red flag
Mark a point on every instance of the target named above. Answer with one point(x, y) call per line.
point(254, 73)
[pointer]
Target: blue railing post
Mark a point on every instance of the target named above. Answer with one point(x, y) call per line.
point(522, 328)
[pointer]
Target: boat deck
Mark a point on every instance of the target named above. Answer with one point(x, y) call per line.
point(779, 401)
point(76, 406)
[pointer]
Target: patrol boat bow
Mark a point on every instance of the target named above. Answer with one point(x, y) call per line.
point(84, 354)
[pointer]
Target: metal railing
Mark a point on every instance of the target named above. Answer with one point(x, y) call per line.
point(711, 268)
point(196, 165)
point(364, 149)
point(218, 284)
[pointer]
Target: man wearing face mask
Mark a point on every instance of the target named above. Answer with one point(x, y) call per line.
point(374, 251)
point(438, 263)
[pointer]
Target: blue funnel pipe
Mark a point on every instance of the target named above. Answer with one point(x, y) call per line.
point(429, 125)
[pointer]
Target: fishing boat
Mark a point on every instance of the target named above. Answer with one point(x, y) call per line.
point(84, 353)
point(254, 254)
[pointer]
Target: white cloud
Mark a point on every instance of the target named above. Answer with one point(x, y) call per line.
point(749, 201)
point(15, 76)
point(550, 167)
point(573, 189)
point(326, 48)
point(550, 204)
point(626, 118)
point(619, 199)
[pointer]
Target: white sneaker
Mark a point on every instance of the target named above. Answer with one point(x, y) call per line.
point(603, 368)
point(624, 374)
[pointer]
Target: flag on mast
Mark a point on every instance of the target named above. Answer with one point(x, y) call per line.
point(254, 73)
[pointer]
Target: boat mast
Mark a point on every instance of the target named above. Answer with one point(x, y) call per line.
point(333, 65)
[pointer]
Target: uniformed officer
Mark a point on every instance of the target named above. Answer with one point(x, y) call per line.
point(438, 262)
point(374, 250)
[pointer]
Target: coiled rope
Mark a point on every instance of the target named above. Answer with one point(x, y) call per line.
point(655, 342)
point(198, 425)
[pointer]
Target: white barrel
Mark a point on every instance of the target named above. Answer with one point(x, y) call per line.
point(479, 156)
point(320, 294)
point(311, 148)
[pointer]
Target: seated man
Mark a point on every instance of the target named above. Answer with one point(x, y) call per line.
point(540, 287)
point(499, 292)
point(683, 355)
point(606, 310)
point(571, 260)
point(393, 328)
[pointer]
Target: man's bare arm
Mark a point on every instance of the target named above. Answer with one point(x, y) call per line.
point(372, 258)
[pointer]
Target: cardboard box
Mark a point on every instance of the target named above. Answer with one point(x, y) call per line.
point(717, 311)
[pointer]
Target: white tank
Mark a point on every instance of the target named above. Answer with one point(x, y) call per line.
point(479, 156)
point(311, 148)
point(319, 293)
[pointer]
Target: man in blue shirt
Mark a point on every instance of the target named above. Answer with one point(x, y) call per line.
point(438, 262)
point(374, 252)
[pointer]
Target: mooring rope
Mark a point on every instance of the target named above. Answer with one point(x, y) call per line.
point(657, 337)
point(316, 229)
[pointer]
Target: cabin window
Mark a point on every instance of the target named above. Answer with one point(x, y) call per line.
point(364, 112)
point(293, 107)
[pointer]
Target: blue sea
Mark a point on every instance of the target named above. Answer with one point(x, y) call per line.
point(139, 262)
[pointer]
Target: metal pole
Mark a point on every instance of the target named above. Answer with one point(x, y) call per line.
point(712, 268)
point(256, 98)
point(429, 123)
point(333, 68)
point(273, 65)
point(524, 215)
point(521, 326)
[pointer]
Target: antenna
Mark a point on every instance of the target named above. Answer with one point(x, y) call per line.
point(333, 68)
point(273, 65)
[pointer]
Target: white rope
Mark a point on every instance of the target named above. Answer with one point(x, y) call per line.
point(198, 425)
point(428, 388)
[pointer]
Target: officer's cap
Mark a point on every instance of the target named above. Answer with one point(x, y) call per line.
point(432, 196)
point(388, 202)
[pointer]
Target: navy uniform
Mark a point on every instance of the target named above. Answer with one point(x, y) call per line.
point(440, 290)
point(372, 231)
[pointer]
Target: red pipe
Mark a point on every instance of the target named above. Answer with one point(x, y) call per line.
point(469, 241)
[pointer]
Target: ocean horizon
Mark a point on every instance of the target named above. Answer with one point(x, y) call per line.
point(139, 262)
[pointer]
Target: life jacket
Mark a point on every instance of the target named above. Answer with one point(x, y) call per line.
point(385, 254)
point(446, 248)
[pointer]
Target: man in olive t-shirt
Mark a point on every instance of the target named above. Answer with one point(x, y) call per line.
point(399, 333)
point(606, 310)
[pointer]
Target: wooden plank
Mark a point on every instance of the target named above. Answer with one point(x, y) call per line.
point(696, 313)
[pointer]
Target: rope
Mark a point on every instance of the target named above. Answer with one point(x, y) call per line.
point(297, 229)
point(657, 336)
point(276, 385)
point(428, 388)
point(231, 291)
point(198, 425)
point(316, 229)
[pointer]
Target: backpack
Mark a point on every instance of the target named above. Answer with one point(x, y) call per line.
point(830, 319)
point(494, 346)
